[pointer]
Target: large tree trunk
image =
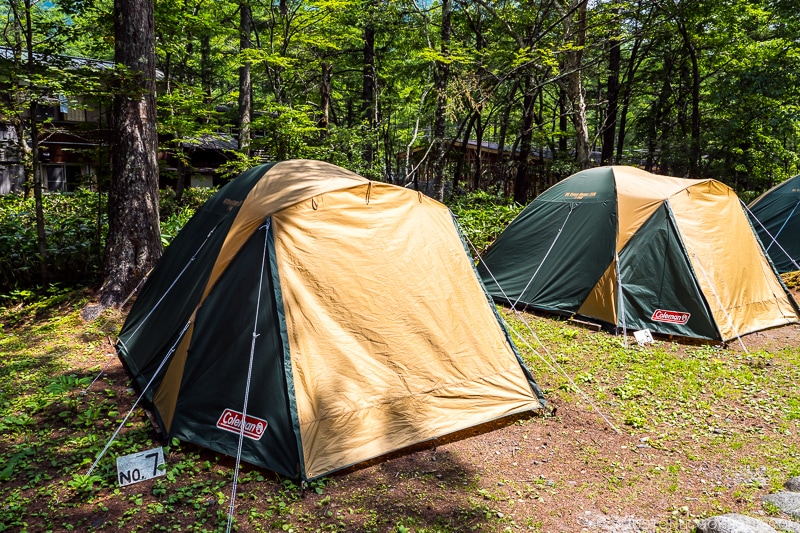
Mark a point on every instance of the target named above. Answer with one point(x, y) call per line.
point(134, 237)
point(245, 87)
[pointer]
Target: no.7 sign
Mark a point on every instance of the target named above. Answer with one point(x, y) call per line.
point(140, 466)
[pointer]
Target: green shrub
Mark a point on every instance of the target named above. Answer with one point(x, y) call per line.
point(74, 231)
point(76, 225)
point(175, 215)
point(483, 216)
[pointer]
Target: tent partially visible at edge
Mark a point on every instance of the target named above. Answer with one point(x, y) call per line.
point(635, 250)
point(776, 216)
point(358, 305)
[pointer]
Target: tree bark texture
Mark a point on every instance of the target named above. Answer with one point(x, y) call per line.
point(134, 240)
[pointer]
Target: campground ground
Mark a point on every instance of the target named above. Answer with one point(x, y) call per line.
point(634, 439)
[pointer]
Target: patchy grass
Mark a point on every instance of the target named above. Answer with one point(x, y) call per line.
point(703, 430)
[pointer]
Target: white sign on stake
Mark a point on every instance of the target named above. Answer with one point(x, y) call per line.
point(643, 336)
point(140, 466)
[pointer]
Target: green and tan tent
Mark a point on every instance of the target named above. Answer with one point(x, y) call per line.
point(634, 250)
point(346, 312)
point(776, 217)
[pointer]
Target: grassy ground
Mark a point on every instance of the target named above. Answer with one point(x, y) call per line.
point(686, 431)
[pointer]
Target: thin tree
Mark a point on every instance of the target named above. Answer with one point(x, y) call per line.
point(441, 75)
point(134, 245)
point(245, 84)
point(23, 28)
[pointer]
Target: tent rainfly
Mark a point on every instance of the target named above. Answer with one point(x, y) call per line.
point(323, 318)
point(776, 217)
point(634, 250)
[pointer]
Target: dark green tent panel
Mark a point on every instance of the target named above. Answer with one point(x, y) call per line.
point(776, 218)
point(218, 362)
point(556, 264)
point(184, 270)
point(656, 274)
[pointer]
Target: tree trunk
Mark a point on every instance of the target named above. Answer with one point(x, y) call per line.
point(574, 85)
point(501, 140)
point(33, 108)
point(325, 90)
point(477, 172)
point(133, 246)
point(206, 70)
point(523, 177)
point(245, 87)
point(694, 141)
point(658, 114)
point(368, 89)
point(612, 95)
point(630, 74)
point(441, 75)
point(562, 122)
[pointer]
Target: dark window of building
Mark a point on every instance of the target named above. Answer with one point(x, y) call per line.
point(63, 178)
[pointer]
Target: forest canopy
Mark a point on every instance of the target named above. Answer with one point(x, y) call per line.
point(504, 96)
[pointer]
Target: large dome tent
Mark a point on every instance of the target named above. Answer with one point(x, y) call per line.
point(325, 318)
point(635, 250)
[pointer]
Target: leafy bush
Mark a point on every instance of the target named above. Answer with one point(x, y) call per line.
point(175, 215)
point(76, 226)
point(75, 229)
point(483, 216)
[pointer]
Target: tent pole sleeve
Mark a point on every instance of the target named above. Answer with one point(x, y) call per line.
point(287, 356)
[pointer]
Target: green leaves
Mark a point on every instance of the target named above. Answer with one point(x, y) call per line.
point(482, 217)
point(83, 483)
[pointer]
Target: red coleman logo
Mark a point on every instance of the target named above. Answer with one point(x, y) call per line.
point(231, 420)
point(675, 317)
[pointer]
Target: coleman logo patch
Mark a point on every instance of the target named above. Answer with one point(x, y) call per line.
point(231, 420)
point(674, 317)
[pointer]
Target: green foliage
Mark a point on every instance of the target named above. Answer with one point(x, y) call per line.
point(75, 225)
point(174, 215)
point(482, 217)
